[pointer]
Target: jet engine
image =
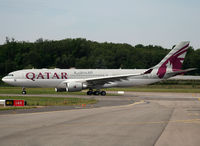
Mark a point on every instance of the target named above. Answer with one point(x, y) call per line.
point(75, 86)
point(60, 89)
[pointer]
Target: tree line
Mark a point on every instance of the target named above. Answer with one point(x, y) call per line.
point(81, 53)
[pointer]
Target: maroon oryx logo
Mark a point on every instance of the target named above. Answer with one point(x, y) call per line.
point(175, 61)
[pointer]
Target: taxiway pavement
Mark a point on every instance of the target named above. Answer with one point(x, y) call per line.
point(151, 120)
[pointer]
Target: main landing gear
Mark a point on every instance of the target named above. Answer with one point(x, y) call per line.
point(97, 92)
point(23, 90)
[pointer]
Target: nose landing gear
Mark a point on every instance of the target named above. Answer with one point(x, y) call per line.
point(23, 90)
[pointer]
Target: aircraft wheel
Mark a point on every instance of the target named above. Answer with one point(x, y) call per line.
point(23, 92)
point(103, 93)
point(89, 92)
point(96, 93)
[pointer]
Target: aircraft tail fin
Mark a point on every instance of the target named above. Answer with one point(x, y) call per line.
point(172, 62)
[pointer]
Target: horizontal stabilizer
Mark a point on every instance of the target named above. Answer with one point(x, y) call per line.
point(181, 71)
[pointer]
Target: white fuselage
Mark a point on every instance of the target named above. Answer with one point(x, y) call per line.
point(57, 78)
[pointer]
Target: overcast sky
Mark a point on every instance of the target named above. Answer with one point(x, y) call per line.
point(157, 22)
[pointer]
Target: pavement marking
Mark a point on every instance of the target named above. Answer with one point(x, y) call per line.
point(140, 102)
point(194, 114)
point(172, 121)
point(197, 121)
point(188, 121)
point(128, 105)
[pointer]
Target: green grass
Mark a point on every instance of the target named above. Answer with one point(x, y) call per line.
point(15, 108)
point(175, 90)
point(149, 88)
point(52, 101)
point(180, 86)
point(18, 90)
point(162, 88)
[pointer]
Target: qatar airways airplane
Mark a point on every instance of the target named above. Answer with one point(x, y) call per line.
point(96, 79)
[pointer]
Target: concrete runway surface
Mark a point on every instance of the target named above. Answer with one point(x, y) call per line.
point(161, 119)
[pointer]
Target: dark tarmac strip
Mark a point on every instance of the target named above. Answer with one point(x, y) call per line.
point(147, 123)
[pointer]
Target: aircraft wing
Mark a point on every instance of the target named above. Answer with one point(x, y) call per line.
point(108, 79)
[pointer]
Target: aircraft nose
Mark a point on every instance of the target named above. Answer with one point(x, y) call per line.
point(3, 79)
point(7, 80)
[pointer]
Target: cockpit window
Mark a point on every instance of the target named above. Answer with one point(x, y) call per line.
point(10, 75)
